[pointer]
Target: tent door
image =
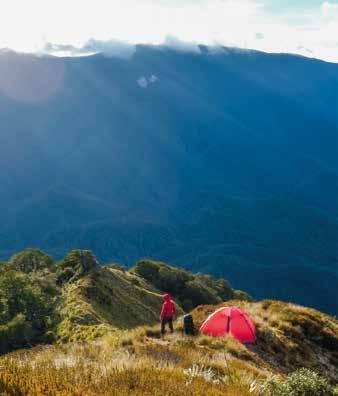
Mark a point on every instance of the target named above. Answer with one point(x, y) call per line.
point(228, 324)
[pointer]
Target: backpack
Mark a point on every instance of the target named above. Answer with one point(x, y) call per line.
point(188, 325)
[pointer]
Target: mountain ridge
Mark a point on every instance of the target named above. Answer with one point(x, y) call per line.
point(77, 299)
point(243, 143)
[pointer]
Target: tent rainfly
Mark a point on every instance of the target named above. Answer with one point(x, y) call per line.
point(230, 320)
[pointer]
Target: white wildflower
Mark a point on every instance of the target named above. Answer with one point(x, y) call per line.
point(202, 372)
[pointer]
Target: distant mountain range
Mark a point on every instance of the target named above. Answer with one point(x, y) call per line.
point(223, 162)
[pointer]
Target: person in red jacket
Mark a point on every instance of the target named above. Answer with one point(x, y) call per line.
point(167, 313)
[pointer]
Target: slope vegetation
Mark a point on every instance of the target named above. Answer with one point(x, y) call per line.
point(104, 300)
point(96, 334)
point(295, 354)
point(77, 299)
point(288, 336)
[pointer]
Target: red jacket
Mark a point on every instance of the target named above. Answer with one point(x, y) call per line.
point(168, 307)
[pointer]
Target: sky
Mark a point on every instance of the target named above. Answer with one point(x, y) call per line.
point(306, 27)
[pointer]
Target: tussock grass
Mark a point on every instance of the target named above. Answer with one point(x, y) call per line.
point(140, 361)
point(103, 301)
point(108, 367)
point(289, 337)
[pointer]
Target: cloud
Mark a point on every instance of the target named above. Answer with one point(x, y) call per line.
point(329, 10)
point(180, 45)
point(84, 27)
point(110, 48)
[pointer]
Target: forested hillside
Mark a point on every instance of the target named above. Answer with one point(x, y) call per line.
point(218, 161)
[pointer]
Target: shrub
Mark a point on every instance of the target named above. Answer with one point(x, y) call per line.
point(25, 310)
point(20, 294)
point(224, 289)
point(76, 264)
point(15, 333)
point(242, 296)
point(148, 270)
point(31, 260)
point(190, 289)
point(303, 382)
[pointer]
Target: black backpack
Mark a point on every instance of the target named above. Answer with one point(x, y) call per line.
point(188, 325)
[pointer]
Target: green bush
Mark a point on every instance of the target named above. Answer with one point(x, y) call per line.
point(15, 333)
point(242, 295)
point(224, 289)
point(189, 289)
point(148, 270)
point(31, 260)
point(303, 382)
point(199, 294)
point(64, 275)
point(26, 311)
point(20, 294)
point(76, 264)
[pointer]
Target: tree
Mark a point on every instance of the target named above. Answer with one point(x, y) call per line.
point(24, 308)
point(31, 260)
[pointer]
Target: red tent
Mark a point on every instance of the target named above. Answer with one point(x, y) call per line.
point(230, 320)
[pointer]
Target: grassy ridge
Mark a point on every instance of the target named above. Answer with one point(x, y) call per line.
point(104, 300)
point(288, 336)
point(77, 299)
point(140, 362)
point(101, 324)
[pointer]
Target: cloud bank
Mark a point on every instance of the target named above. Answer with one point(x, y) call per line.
point(110, 48)
point(115, 26)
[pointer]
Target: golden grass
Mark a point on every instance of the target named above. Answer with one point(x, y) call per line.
point(288, 337)
point(147, 367)
point(106, 300)
point(140, 362)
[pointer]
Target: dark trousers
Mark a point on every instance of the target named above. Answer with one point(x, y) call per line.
point(168, 320)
